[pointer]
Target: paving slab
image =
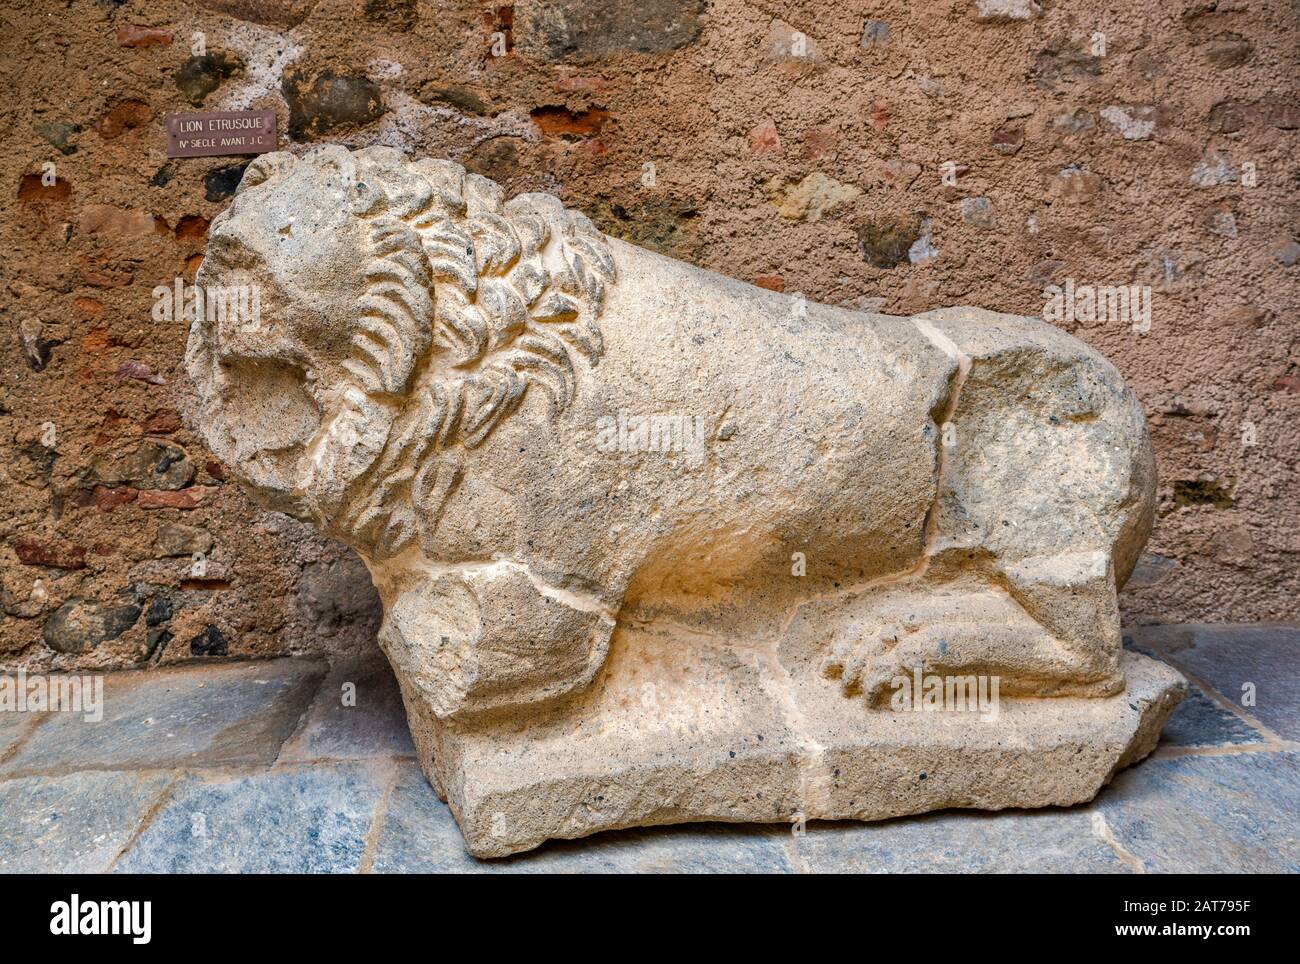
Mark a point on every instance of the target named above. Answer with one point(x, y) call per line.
point(73, 824)
point(196, 715)
point(297, 820)
point(963, 842)
point(357, 714)
point(420, 835)
point(1209, 813)
point(1200, 720)
point(1229, 657)
point(14, 728)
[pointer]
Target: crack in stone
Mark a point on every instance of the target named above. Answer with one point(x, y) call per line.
point(1102, 830)
point(949, 348)
point(413, 558)
point(814, 773)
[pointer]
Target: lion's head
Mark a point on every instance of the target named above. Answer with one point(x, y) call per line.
point(379, 316)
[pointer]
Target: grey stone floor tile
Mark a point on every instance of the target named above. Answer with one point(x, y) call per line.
point(72, 824)
point(310, 819)
point(1227, 657)
point(1209, 813)
point(1013, 841)
point(1200, 719)
point(14, 727)
point(209, 715)
point(373, 726)
point(420, 835)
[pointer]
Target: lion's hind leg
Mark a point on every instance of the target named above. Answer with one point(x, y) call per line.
point(1013, 628)
point(1045, 495)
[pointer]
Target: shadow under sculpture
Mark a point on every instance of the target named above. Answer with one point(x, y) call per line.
point(655, 545)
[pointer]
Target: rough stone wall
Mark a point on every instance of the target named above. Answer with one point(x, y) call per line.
point(885, 154)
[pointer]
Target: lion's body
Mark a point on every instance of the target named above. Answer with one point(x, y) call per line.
point(516, 417)
point(588, 492)
point(655, 545)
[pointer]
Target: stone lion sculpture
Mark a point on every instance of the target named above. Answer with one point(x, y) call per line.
point(655, 545)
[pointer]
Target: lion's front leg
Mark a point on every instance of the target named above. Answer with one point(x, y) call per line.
point(471, 638)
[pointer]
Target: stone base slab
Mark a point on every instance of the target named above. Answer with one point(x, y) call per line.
point(739, 735)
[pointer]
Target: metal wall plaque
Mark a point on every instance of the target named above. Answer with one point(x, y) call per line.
point(213, 133)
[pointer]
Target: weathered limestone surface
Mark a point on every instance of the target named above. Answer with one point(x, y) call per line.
point(655, 545)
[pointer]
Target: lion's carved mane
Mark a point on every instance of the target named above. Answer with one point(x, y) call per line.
point(470, 301)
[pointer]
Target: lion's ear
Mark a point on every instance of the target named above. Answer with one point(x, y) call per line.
point(261, 169)
point(363, 196)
